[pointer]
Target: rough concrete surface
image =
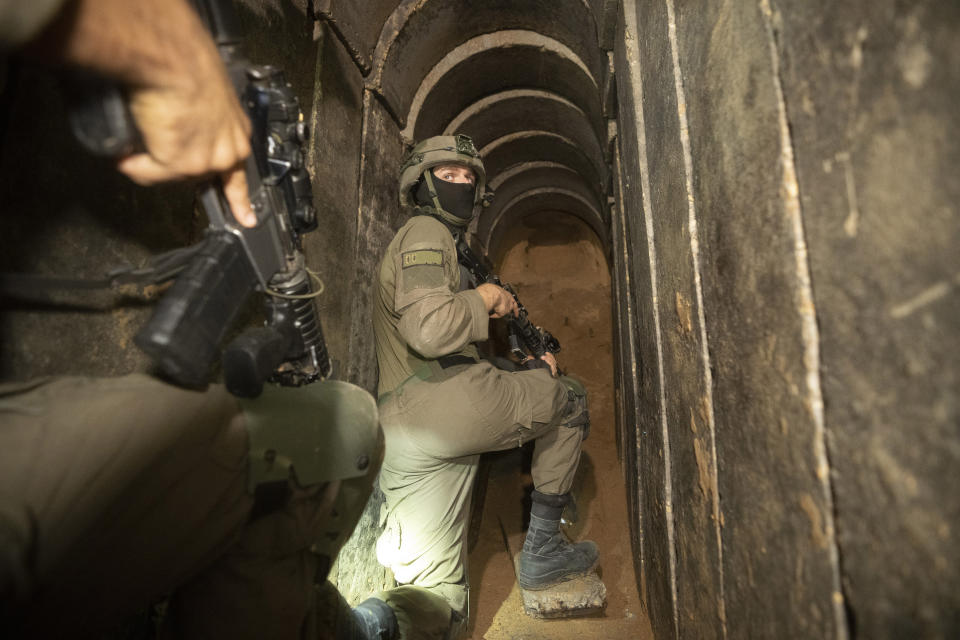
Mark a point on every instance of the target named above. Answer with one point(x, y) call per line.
point(689, 439)
point(582, 596)
point(335, 159)
point(821, 185)
point(643, 412)
point(871, 92)
point(777, 518)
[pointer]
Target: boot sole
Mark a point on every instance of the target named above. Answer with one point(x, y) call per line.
point(552, 583)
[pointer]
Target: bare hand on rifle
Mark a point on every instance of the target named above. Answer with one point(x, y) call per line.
point(180, 96)
point(499, 301)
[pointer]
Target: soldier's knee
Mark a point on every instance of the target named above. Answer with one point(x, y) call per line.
point(575, 413)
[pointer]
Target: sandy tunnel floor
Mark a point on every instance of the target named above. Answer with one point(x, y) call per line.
point(558, 268)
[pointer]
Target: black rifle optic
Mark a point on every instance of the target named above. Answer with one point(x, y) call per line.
point(526, 339)
point(184, 333)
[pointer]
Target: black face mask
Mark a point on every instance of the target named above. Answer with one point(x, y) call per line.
point(455, 198)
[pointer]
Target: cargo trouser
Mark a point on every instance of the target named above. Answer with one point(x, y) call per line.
point(435, 431)
point(117, 492)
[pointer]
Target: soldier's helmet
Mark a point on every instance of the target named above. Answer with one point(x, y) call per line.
point(419, 188)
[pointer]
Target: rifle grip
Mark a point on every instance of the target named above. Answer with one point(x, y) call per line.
point(184, 333)
point(251, 358)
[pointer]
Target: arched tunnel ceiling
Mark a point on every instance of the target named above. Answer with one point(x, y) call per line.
point(520, 109)
point(536, 201)
point(540, 146)
point(535, 117)
point(524, 79)
point(420, 33)
point(498, 62)
point(537, 181)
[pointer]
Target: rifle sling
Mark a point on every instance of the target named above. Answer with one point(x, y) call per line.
point(158, 269)
point(451, 361)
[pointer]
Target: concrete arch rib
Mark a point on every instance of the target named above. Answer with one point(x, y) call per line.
point(528, 176)
point(521, 168)
point(491, 101)
point(525, 110)
point(419, 33)
point(505, 153)
point(535, 201)
point(490, 63)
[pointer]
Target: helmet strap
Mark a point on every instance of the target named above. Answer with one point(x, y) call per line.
point(432, 189)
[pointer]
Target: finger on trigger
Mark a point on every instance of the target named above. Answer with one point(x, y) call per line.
point(235, 190)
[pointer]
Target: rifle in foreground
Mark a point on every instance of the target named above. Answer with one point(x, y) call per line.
point(215, 279)
point(525, 338)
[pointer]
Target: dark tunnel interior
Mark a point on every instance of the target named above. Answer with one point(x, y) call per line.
point(530, 92)
point(740, 219)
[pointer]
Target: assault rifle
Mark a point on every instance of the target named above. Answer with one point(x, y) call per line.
point(215, 279)
point(525, 338)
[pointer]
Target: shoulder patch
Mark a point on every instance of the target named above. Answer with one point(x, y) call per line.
point(422, 257)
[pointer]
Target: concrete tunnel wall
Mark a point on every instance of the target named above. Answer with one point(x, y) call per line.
point(786, 232)
point(775, 186)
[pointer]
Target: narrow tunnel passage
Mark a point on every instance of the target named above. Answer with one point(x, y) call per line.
point(560, 272)
point(533, 88)
point(768, 191)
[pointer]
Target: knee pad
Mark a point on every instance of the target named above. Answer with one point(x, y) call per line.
point(575, 413)
point(316, 433)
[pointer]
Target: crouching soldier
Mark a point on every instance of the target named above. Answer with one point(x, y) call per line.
point(441, 406)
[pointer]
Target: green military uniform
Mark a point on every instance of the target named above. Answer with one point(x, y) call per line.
point(438, 419)
point(116, 492)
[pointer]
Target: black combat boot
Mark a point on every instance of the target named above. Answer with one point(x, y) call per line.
point(375, 620)
point(547, 556)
